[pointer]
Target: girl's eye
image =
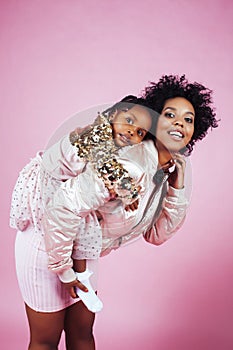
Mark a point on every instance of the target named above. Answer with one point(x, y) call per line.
point(129, 120)
point(141, 133)
point(188, 120)
point(169, 115)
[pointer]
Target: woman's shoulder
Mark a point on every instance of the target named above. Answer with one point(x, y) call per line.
point(143, 154)
point(150, 155)
point(131, 152)
point(145, 149)
point(150, 147)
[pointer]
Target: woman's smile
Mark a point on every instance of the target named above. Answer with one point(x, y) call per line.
point(176, 134)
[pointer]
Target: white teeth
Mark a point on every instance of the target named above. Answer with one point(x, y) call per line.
point(176, 133)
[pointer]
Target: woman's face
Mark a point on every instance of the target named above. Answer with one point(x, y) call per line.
point(175, 125)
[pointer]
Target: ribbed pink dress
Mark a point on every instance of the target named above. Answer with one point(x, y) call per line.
point(41, 289)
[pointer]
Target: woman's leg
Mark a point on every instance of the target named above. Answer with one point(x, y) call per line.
point(45, 329)
point(79, 327)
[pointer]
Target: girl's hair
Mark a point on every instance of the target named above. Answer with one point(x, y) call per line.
point(171, 86)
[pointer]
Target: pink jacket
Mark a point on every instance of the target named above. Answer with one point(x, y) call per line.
point(71, 213)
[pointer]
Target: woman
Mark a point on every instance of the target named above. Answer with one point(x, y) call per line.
point(185, 116)
point(126, 123)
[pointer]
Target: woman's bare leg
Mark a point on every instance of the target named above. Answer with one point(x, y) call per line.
point(45, 329)
point(79, 327)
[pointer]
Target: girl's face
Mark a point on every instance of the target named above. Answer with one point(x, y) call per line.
point(175, 125)
point(131, 126)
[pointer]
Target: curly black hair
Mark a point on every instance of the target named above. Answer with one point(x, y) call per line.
point(171, 86)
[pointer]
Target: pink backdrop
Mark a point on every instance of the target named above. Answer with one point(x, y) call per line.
point(59, 57)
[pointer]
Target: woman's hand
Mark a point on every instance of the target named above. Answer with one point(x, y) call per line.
point(176, 178)
point(71, 288)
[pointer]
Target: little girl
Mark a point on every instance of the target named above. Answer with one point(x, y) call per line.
point(99, 144)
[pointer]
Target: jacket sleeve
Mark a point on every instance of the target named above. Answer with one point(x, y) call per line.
point(75, 199)
point(61, 160)
point(170, 218)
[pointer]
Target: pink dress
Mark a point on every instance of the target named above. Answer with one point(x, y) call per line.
point(41, 289)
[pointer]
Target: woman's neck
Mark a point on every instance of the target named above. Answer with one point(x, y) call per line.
point(164, 156)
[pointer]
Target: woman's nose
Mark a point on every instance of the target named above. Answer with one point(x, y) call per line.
point(178, 122)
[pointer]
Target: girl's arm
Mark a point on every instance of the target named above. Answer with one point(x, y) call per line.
point(74, 200)
point(61, 160)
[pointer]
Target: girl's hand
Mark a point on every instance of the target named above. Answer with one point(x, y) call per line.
point(176, 178)
point(71, 288)
point(133, 206)
point(113, 194)
point(74, 135)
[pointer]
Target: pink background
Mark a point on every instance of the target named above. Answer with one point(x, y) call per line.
point(60, 57)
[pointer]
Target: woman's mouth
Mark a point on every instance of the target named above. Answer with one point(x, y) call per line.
point(176, 134)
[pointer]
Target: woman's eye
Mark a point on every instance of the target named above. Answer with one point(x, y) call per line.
point(189, 120)
point(169, 115)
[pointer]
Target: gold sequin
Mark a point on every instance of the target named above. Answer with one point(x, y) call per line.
point(96, 145)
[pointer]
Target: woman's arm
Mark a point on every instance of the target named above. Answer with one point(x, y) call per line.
point(174, 206)
point(170, 219)
point(74, 200)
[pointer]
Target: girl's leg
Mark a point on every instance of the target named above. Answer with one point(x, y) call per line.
point(45, 329)
point(79, 265)
point(90, 299)
point(79, 327)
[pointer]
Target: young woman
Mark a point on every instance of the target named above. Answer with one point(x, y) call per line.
point(124, 124)
point(185, 116)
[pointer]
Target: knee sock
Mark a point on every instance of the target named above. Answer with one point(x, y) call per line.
point(90, 299)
